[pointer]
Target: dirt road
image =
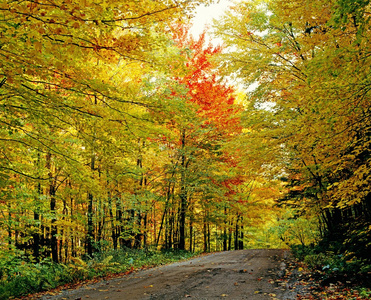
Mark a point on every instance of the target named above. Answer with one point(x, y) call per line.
point(244, 274)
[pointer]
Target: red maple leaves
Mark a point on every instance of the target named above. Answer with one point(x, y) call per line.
point(206, 87)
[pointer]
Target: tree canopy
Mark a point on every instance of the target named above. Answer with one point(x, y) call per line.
point(309, 114)
point(118, 129)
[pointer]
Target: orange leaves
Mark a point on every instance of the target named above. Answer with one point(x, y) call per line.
point(216, 101)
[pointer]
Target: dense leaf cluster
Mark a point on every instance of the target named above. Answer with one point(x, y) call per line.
point(117, 131)
point(308, 66)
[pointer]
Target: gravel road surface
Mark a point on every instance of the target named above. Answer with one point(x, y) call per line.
point(243, 274)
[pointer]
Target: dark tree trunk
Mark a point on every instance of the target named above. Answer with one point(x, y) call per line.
point(90, 234)
point(225, 235)
point(113, 229)
point(36, 234)
point(240, 241)
point(236, 234)
point(53, 203)
point(183, 197)
point(90, 238)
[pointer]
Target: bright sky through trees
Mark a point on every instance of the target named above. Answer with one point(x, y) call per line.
point(204, 15)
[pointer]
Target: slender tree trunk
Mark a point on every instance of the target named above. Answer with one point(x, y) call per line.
point(230, 236)
point(191, 234)
point(100, 223)
point(145, 235)
point(205, 234)
point(236, 234)
point(138, 237)
point(53, 228)
point(90, 233)
point(171, 231)
point(53, 202)
point(119, 223)
point(64, 233)
point(154, 222)
point(113, 228)
point(90, 236)
point(130, 219)
point(225, 236)
point(240, 241)
point(208, 237)
point(183, 197)
point(8, 205)
point(169, 195)
point(36, 216)
point(73, 242)
point(36, 234)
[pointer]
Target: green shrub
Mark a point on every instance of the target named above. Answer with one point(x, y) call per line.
point(20, 276)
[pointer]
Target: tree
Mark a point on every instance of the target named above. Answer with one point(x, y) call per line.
point(65, 85)
point(215, 122)
point(310, 109)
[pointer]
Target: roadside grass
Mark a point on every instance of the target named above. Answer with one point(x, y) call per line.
point(19, 276)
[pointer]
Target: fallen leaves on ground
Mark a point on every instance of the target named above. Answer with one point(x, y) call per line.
point(318, 285)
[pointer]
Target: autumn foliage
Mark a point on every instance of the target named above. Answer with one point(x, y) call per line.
point(114, 134)
point(307, 66)
point(118, 129)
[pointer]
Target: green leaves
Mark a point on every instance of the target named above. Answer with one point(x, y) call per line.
point(310, 109)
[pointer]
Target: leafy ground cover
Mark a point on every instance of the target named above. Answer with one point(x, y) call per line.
point(18, 278)
point(329, 276)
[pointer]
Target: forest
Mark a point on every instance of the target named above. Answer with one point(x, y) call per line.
point(119, 130)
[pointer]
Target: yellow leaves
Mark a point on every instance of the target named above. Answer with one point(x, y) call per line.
point(41, 30)
point(76, 25)
point(4, 5)
point(82, 3)
point(38, 46)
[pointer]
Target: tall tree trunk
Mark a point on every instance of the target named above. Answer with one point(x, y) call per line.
point(36, 234)
point(240, 241)
point(138, 237)
point(129, 219)
point(236, 233)
point(53, 203)
point(230, 236)
point(73, 242)
point(36, 216)
point(208, 237)
point(183, 197)
point(205, 235)
point(119, 225)
point(191, 234)
point(169, 195)
point(9, 227)
point(100, 223)
point(171, 230)
point(145, 225)
point(225, 236)
point(113, 228)
point(90, 238)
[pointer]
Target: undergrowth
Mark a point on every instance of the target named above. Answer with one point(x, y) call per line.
point(20, 276)
point(334, 275)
